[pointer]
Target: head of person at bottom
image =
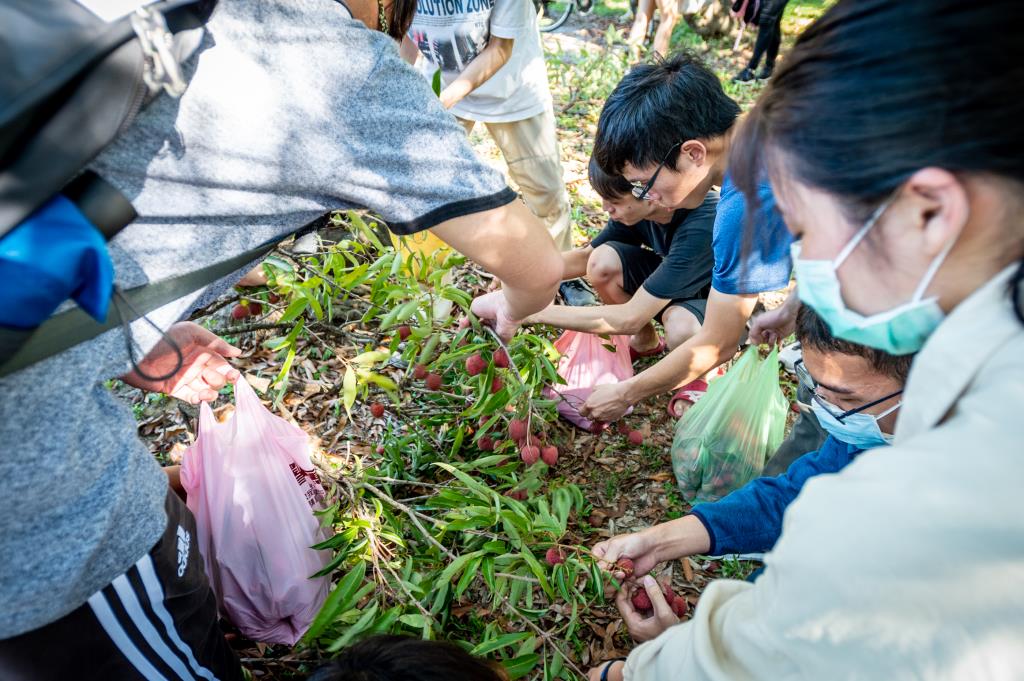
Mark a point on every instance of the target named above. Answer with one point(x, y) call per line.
point(857, 390)
point(403, 658)
point(666, 128)
point(618, 201)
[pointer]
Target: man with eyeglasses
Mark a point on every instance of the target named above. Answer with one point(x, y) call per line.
point(667, 129)
point(856, 394)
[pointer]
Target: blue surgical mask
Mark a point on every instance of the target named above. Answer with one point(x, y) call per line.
point(899, 331)
point(860, 430)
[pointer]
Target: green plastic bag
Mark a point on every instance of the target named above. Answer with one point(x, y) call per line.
point(723, 441)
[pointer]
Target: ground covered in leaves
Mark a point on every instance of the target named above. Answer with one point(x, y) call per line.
point(440, 529)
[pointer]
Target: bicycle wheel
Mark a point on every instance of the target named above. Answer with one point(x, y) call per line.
point(551, 14)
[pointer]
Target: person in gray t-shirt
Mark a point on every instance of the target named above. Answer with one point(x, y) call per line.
point(293, 108)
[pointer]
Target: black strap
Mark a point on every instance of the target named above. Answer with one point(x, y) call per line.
point(72, 327)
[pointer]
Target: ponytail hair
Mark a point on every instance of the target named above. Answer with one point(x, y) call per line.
point(875, 90)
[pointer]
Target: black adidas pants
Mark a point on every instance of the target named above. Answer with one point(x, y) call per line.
point(157, 621)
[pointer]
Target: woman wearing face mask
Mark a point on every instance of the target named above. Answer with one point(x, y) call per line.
point(897, 156)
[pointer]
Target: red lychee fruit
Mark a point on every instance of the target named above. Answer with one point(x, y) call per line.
point(485, 444)
point(434, 381)
point(517, 429)
point(255, 309)
point(636, 437)
point(475, 364)
point(624, 428)
point(597, 426)
point(625, 566)
point(496, 385)
point(377, 409)
point(517, 494)
point(554, 556)
point(680, 607)
point(530, 454)
point(240, 312)
point(549, 455)
point(404, 331)
point(641, 601)
point(501, 358)
point(273, 298)
point(419, 372)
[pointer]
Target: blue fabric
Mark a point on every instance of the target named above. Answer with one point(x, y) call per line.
point(767, 265)
point(749, 520)
point(55, 254)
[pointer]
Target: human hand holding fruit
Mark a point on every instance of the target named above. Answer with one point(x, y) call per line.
point(606, 403)
point(627, 556)
point(204, 369)
point(493, 307)
point(664, 606)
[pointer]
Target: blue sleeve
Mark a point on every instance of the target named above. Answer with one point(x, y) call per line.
point(767, 264)
point(749, 520)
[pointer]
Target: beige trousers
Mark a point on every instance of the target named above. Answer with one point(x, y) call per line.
point(531, 151)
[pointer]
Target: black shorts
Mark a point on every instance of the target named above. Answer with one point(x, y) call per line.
point(158, 620)
point(638, 263)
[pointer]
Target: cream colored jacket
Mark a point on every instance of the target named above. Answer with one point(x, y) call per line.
point(908, 564)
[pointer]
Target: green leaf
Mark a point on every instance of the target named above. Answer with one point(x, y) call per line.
point(538, 572)
point(467, 577)
point(435, 83)
point(294, 309)
point(370, 358)
point(416, 620)
point(361, 625)
point(519, 667)
point(499, 642)
point(338, 601)
point(348, 390)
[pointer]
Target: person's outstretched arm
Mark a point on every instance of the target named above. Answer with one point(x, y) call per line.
point(479, 71)
point(626, 318)
point(716, 342)
point(511, 243)
point(749, 519)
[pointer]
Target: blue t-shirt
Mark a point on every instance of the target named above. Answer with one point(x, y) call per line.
point(749, 519)
point(766, 266)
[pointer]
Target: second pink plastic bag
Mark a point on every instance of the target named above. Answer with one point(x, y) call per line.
point(252, 488)
point(587, 362)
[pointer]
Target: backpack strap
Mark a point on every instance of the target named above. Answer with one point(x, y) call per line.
point(67, 329)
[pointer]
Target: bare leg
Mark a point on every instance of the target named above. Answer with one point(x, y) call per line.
point(638, 32)
point(669, 18)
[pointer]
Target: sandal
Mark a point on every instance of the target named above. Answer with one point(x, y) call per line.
point(691, 392)
point(634, 354)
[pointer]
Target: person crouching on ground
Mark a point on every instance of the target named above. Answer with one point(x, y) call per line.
point(856, 396)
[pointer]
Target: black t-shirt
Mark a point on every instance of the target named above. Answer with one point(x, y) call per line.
point(684, 244)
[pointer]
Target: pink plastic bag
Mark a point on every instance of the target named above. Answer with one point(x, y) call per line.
point(587, 362)
point(252, 488)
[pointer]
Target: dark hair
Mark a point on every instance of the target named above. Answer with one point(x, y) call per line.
point(402, 14)
point(607, 186)
point(874, 90)
point(402, 658)
point(813, 332)
point(657, 105)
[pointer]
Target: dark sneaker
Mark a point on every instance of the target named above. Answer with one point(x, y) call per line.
point(765, 73)
point(577, 293)
point(744, 76)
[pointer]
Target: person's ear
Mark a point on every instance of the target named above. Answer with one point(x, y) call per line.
point(935, 201)
point(694, 151)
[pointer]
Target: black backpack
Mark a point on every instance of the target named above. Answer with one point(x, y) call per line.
point(71, 79)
